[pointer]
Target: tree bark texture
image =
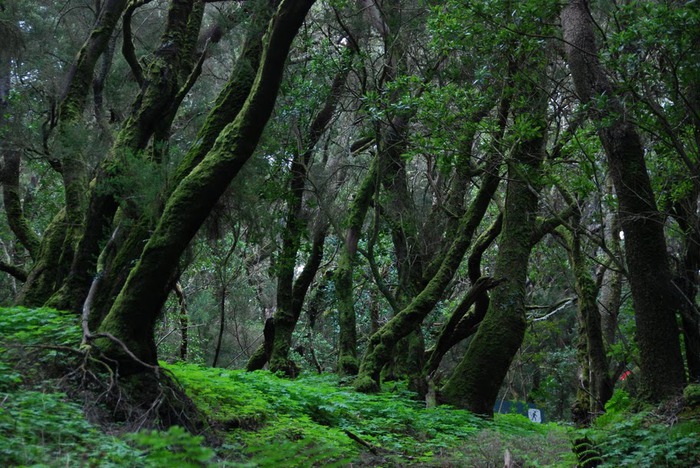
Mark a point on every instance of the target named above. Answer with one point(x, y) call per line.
point(654, 299)
point(382, 343)
point(48, 274)
point(153, 106)
point(290, 293)
point(476, 380)
point(132, 317)
point(600, 384)
point(611, 288)
point(117, 264)
point(12, 200)
point(686, 281)
point(343, 278)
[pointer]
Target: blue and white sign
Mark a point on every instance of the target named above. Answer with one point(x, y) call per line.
point(518, 407)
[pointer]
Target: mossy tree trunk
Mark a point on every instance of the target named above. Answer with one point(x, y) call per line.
point(596, 384)
point(475, 382)
point(465, 319)
point(610, 299)
point(48, 273)
point(655, 301)
point(132, 317)
point(685, 281)
point(285, 319)
point(154, 107)
point(116, 263)
point(382, 343)
point(291, 293)
point(12, 199)
point(400, 213)
point(10, 169)
point(343, 278)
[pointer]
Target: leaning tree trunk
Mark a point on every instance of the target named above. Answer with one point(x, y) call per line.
point(131, 319)
point(465, 319)
point(655, 302)
point(117, 262)
point(291, 293)
point(475, 382)
point(155, 104)
point(58, 244)
point(477, 379)
point(382, 343)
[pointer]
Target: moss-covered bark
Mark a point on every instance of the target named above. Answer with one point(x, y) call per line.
point(285, 319)
point(42, 279)
point(290, 293)
point(48, 274)
point(475, 382)
point(13, 202)
point(381, 344)
point(153, 112)
point(596, 382)
point(399, 211)
point(129, 244)
point(653, 295)
point(446, 338)
point(343, 278)
point(685, 280)
point(133, 315)
point(230, 100)
point(464, 321)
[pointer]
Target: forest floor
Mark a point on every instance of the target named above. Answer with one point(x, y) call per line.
point(54, 413)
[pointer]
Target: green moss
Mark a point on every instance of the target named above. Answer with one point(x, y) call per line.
point(691, 395)
point(348, 365)
point(366, 384)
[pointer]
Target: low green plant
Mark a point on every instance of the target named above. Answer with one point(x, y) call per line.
point(627, 436)
point(641, 441)
point(44, 429)
point(174, 447)
point(33, 327)
point(314, 420)
point(691, 395)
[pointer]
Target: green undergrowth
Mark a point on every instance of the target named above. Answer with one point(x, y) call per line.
point(628, 435)
point(40, 425)
point(315, 420)
point(260, 419)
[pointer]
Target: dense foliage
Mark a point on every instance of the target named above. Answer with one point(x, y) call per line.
point(463, 204)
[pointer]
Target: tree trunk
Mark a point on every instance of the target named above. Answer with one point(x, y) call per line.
point(476, 380)
point(611, 287)
point(655, 302)
point(153, 106)
point(382, 343)
point(286, 318)
point(597, 382)
point(13, 201)
point(290, 293)
point(117, 264)
point(344, 291)
point(686, 281)
point(446, 338)
point(132, 317)
point(48, 274)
